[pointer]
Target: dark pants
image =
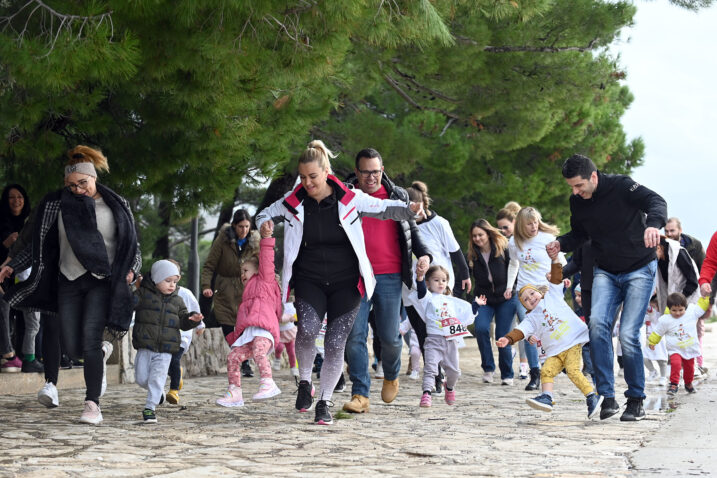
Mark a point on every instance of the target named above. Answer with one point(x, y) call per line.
point(50, 327)
point(83, 306)
point(419, 326)
point(175, 371)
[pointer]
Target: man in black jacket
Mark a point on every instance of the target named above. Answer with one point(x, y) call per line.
point(389, 246)
point(673, 230)
point(623, 220)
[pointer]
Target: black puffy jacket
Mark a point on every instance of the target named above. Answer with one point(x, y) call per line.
point(494, 290)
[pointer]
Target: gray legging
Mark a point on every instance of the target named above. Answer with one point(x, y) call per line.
point(32, 327)
point(5, 341)
point(337, 331)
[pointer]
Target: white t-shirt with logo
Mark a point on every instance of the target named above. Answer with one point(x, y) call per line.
point(681, 334)
point(445, 315)
point(652, 316)
point(554, 324)
point(533, 258)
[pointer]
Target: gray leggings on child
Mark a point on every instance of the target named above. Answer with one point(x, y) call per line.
point(660, 363)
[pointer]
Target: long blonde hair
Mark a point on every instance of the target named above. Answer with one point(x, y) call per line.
point(497, 239)
point(85, 154)
point(317, 151)
point(526, 215)
point(509, 211)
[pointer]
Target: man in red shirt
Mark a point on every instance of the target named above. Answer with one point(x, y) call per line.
point(389, 246)
point(709, 267)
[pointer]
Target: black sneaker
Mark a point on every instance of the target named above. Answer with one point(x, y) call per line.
point(688, 388)
point(323, 416)
point(341, 384)
point(33, 366)
point(246, 370)
point(439, 385)
point(634, 411)
point(608, 408)
point(65, 362)
point(149, 416)
point(673, 389)
point(534, 379)
point(304, 397)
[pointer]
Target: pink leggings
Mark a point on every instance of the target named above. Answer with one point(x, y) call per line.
point(289, 346)
point(257, 349)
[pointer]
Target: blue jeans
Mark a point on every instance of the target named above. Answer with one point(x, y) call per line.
point(503, 314)
point(633, 290)
point(83, 306)
point(386, 301)
point(531, 351)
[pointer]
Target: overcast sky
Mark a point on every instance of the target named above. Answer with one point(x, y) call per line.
point(670, 56)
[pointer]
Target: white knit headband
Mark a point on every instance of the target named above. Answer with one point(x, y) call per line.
point(83, 168)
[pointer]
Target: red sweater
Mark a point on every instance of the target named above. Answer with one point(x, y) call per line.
point(709, 266)
point(381, 238)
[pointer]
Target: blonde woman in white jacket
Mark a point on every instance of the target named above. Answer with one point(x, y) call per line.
point(326, 265)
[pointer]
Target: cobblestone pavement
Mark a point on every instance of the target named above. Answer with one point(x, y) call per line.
point(489, 432)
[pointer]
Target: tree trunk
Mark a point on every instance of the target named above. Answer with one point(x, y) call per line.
point(161, 246)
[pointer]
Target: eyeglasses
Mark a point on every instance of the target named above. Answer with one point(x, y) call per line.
point(504, 228)
point(82, 184)
point(366, 174)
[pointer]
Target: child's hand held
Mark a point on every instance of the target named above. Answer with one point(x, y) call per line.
point(501, 342)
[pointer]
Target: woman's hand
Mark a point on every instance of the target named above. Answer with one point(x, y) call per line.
point(6, 272)
point(508, 294)
point(502, 342)
point(10, 240)
point(207, 293)
point(705, 289)
point(267, 229)
point(130, 277)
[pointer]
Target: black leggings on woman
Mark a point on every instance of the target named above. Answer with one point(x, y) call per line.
point(340, 303)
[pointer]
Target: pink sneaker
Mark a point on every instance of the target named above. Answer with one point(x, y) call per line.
point(426, 400)
point(267, 389)
point(232, 398)
point(91, 414)
point(14, 365)
point(450, 397)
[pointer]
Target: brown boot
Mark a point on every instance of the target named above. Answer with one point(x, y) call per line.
point(389, 390)
point(358, 404)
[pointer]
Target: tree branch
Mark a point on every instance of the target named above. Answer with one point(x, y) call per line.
point(412, 80)
point(394, 84)
point(530, 49)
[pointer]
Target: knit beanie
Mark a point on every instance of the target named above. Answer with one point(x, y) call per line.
point(541, 289)
point(163, 269)
point(577, 288)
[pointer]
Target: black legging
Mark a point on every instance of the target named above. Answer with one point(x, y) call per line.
point(419, 326)
point(50, 327)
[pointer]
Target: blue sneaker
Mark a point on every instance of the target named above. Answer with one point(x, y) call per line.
point(542, 402)
point(593, 401)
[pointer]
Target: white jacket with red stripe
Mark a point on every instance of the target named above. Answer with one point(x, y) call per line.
point(353, 204)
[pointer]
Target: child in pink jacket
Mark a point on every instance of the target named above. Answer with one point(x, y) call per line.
point(257, 327)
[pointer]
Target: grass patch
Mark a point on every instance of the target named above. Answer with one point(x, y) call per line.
point(341, 415)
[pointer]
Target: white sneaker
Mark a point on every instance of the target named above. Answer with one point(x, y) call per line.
point(267, 389)
point(653, 377)
point(295, 372)
point(48, 395)
point(92, 413)
point(379, 371)
point(488, 377)
point(662, 382)
point(106, 351)
point(276, 363)
point(413, 375)
point(524, 370)
point(507, 381)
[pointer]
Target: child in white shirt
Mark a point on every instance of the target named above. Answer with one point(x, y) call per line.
point(446, 319)
point(561, 333)
point(680, 329)
point(659, 353)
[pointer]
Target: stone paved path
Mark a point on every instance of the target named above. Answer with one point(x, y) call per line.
point(489, 432)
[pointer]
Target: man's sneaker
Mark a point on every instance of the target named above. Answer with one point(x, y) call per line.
point(542, 402)
point(48, 395)
point(295, 372)
point(232, 397)
point(304, 396)
point(91, 414)
point(634, 411)
point(608, 408)
point(246, 370)
point(413, 375)
point(267, 389)
point(106, 351)
point(507, 381)
point(149, 416)
point(379, 371)
point(439, 385)
point(593, 401)
point(488, 377)
point(673, 389)
point(341, 384)
point(690, 389)
point(173, 396)
point(276, 363)
point(358, 404)
point(13, 365)
point(450, 397)
point(524, 370)
point(32, 366)
point(323, 416)
point(425, 400)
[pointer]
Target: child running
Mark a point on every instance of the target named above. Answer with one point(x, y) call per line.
point(257, 326)
point(561, 334)
point(659, 353)
point(680, 328)
point(446, 319)
point(159, 315)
